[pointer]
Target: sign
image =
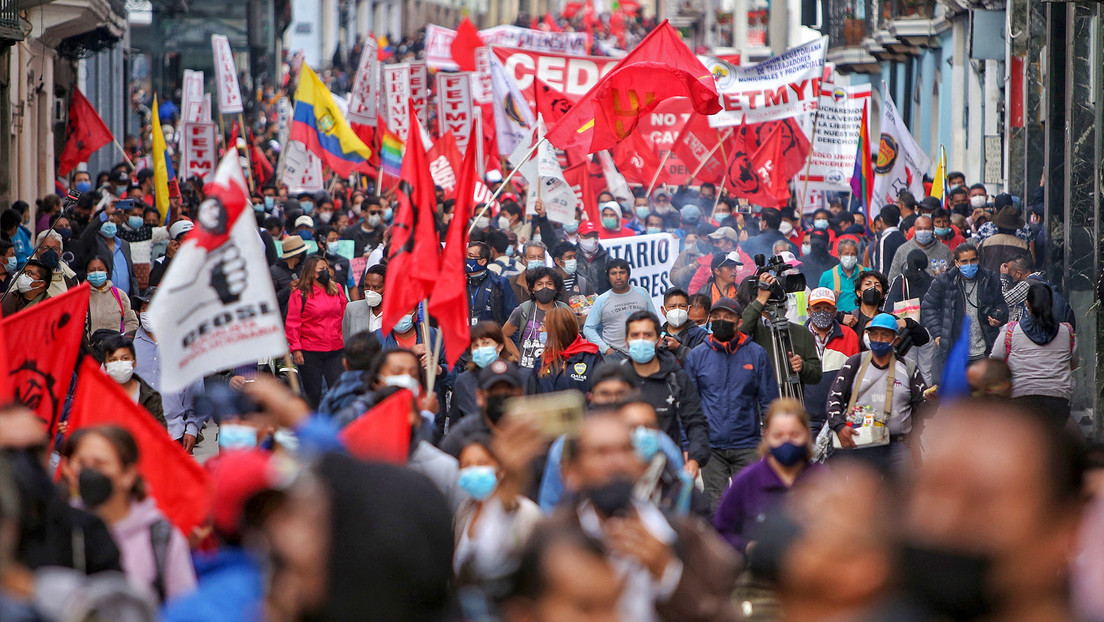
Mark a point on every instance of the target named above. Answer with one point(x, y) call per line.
point(994, 160)
point(651, 258)
point(191, 103)
point(302, 170)
point(836, 139)
point(571, 76)
point(454, 107)
point(396, 93)
point(199, 149)
point(782, 86)
point(438, 42)
point(816, 192)
point(482, 91)
point(419, 91)
point(229, 94)
point(363, 100)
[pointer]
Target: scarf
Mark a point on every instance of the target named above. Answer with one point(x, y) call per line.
point(1036, 332)
point(728, 347)
point(579, 346)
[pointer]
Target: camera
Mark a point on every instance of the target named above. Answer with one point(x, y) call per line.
point(783, 284)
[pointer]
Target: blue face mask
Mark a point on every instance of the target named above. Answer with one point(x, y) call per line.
point(404, 324)
point(97, 278)
point(642, 350)
point(259, 208)
point(969, 270)
point(509, 251)
point(307, 206)
point(642, 212)
point(610, 223)
point(305, 234)
point(571, 265)
point(881, 348)
point(571, 227)
point(788, 454)
point(653, 230)
point(237, 436)
point(645, 442)
point(11, 264)
point(108, 230)
point(388, 214)
point(942, 231)
point(478, 481)
point(484, 356)
point(269, 202)
point(135, 222)
point(472, 266)
point(83, 186)
point(924, 236)
point(820, 224)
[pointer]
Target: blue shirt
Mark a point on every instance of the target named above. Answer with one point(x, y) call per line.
point(179, 414)
point(22, 243)
point(120, 271)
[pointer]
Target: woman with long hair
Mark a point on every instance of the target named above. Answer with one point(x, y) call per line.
point(1042, 354)
point(315, 310)
point(568, 358)
point(101, 466)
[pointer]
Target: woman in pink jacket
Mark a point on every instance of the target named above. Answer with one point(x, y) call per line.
point(313, 328)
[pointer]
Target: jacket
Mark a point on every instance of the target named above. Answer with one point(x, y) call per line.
point(735, 389)
point(842, 343)
point(580, 359)
point(177, 408)
point(594, 269)
point(885, 249)
point(96, 246)
point(349, 386)
point(110, 308)
point(150, 399)
point(231, 589)
point(944, 307)
point(690, 337)
point(314, 322)
point(755, 491)
point(136, 551)
point(491, 298)
point(803, 342)
point(763, 244)
point(843, 286)
point(816, 263)
point(998, 249)
point(935, 250)
point(14, 302)
point(906, 403)
point(282, 276)
point(678, 408)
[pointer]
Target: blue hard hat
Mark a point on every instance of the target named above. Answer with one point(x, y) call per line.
point(883, 320)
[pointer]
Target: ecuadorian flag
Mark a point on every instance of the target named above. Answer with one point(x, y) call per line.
point(318, 123)
point(165, 184)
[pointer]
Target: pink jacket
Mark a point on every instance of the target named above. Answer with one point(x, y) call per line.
point(132, 535)
point(315, 327)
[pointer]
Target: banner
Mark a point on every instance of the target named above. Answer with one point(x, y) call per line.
point(836, 138)
point(229, 94)
point(651, 258)
point(396, 92)
point(199, 149)
point(901, 163)
point(438, 42)
point(567, 76)
point(779, 87)
point(419, 90)
point(482, 92)
point(363, 107)
point(302, 171)
point(454, 107)
point(216, 307)
point(513, 119)
point(191, 99)
point(546, 178)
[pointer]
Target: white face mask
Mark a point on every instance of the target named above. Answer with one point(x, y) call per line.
point(677, 317)
point(482, 222)
point(978, 201)
point(24, 283)
point(849, 261)
point(503, 222)
point(786, 228)
point(806, 249)
point(144, 318)
point(409, 383)
point(120, 371)
point(373, 298)
point(588, 244)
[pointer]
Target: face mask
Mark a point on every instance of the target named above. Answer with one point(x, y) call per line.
point(544, 296)
point(259, 208)
point(120, 371)
point(703, 246)
point(478, 481)
point(724, 330)
point(374, 220)
point(65, 233)
point(969, 270)
point(571, 227)
point(404, 324)
point(871, 296)
point(373, 298)
point(484, 356)
point(97, 278)
point(323, 278)
point(849, 261)
point(24, 283)
point(410, 383)
point(83, 186)
point(820, 224)
point(785, 228)
point(509, 251)
point(482, 222)
point(589, 245)
point(472, 266)
point(503, 222)
point(269, 202)
point(954, 187)
point(720, 216)
point(307, 206)
point(677, 317)
point(610, 223)
point(881, 348)
point(924, 236)
point(108, 230)
point(653, 230)
point(953, 585)
point(977, 201)
point(11, 264)
point(642, 350)
point(144, 318)
point(306, 234)
point(613, 498)
point(942, 231)
point(822, 319)
point(806, 249)
point(135, 222)
point(788, 454)
point(496, 407)
point(325, 216)
point(642, 212)
point(389, 213)
point(645, 442)
point(120, 190)
point(236, 436)
point(569, 265)
point(93, 487)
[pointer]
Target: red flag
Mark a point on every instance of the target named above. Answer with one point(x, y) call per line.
point(636, 160)
point(233, 144)
point(415, 248)
point(444, 163)
point(383, 433)
point(181, 488)
point(617, 28)
point(695, 147)
point(42, 343)
point(659, 68)
point(84, 134)
point(262, 168)
point(550, 103)
point(550, 23)
point(449, 303)
point(465, 44)
point(579, 178)
point(780, 157)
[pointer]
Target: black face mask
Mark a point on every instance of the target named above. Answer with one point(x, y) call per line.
point(724, 330)
point(94, 487)
point(324, 278)
point(544, 296)
point(871, 296)
point(496, 407)
point(611, 499)
point(951, 585)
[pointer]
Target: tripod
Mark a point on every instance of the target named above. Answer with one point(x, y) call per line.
point(789, 383)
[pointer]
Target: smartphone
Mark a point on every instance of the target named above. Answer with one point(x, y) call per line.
point(552, 414)
point(124, 204)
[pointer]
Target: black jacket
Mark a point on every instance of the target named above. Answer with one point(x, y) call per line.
point(678, 407)
point(594, 269)
point(282, 276)
point(816, 263)
point(690, 337)
point(945, 305)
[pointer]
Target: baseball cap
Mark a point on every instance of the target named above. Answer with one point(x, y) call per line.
point(144, 174)
point(729, 304)
point(500, 372)
point(586, 228)
point(493, 177)
point(146, 295)
point(719, 259)
point(725, 232)
point(789, 258)
point(822, 294)
point(179, 228)
point(238, 475)
point(304, 221)
point(883, 320)
point(120, 177)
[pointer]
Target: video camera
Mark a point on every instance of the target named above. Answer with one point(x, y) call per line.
point(783, 283)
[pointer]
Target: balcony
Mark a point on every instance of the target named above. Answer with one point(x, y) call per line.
point(848, 23)
point(11, 30)
point(903, 27)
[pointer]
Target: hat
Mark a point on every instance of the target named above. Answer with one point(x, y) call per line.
point(304, 221)
point(147, 295)
point(690, 212)
point(883, 320)
point(661, 193)
point(819, 236)
point(179, 228)
point(725, 232)
point(930, 204)
point(586, 228)
point(293, 245)
point(509, 196)
point(120, 177)
point(822, 294)
point(1001, 201)
point(789, 258)
point(493, 177)
point(729, 304)
point(613, 205)
point(719, 259)
point(1008, 217)
point(238, 475)
point(499, 371)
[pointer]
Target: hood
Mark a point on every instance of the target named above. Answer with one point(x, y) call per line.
point(668, 362)
point(1036, 332)
point(350, 383)
point(579, 346)
point(137, 522)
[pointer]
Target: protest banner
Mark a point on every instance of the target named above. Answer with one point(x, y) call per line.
point(782, 86)
point(230, 99)
point(396, 92)
point(191, 98)
point(302, 170)
point(419, 90)
point(569, 76)
point(651, 257)
point(454, 107)
point(836, 138)
point(438, 42)
point(199, 149)
point(363, 100)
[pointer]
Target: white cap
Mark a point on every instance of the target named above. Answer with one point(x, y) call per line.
point(493, 177)
point(180, 227)
point(789, 258)
point(822, 294)
point(304, 221)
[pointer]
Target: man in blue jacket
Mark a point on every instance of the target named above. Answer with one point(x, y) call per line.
point(736, 383)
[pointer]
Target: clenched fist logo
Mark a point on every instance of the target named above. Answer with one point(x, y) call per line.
point(228, 276)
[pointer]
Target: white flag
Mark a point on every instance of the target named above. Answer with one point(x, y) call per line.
point(615, 181)
point(513, 118)
point(216, 307)
point(546, 179)
point(901, 163)
point(230, 99)
point(302, 169)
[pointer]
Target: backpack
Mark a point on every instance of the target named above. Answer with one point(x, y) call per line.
point(526, 308)
point(1012, 328)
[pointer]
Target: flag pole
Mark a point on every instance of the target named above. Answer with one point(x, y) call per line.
point(432, 380)
point(126, 158)
point(502, 186)
point(248, 152)
point(701, 164)
point(659, 169)
point(809, 162)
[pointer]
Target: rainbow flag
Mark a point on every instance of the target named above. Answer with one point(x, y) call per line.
point(862, 179)
point(319, 125)
point(164, 176)
point(391, 149)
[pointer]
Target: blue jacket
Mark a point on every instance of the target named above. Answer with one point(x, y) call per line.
point(735, 389)
point(231, 589)
point(348, 387)
point(575, 374)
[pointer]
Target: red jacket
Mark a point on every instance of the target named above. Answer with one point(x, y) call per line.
point(315, 327)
